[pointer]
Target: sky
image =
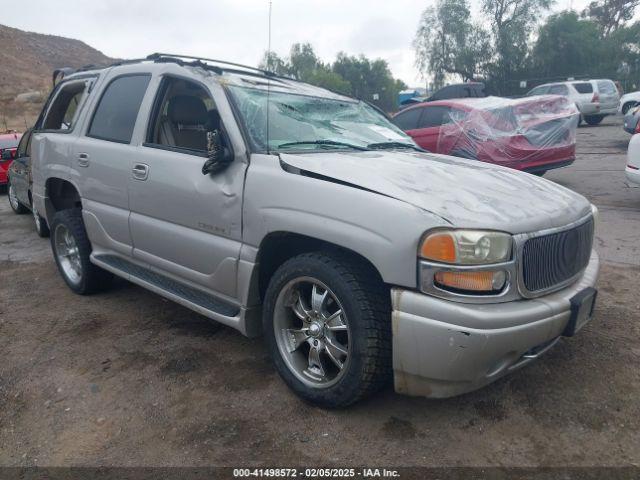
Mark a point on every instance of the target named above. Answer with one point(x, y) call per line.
point(236, 30)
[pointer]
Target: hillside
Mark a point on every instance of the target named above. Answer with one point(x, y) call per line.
point(27, 61)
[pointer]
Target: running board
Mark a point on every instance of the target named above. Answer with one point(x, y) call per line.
point(193, 298)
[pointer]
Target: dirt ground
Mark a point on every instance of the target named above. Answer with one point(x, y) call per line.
point(126, 378)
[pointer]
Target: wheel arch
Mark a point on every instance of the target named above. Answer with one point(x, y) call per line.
point(278, 247)
point(60, 194)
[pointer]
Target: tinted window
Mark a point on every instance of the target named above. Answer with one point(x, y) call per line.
point(116, 114)
point(408, 120)
point(606, 87)
point(65, 107)
point(433, 116)
point(559, 90)
point(583, 87)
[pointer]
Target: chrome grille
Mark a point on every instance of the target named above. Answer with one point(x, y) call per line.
point(553, 259)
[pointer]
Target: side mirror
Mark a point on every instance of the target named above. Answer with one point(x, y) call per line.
point(218, 156)
point(6, 155)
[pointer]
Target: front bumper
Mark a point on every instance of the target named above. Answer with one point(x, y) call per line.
point(443, 348)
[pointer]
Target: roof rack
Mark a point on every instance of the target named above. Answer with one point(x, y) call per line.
point(212, 64)
point(168, 56)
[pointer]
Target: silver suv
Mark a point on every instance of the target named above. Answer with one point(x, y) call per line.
point(282, 209)
point(595, 99)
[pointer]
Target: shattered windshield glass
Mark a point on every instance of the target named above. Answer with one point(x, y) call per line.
point(304, 122)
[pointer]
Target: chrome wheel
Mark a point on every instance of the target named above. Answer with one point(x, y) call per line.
point(312, 332)
point(13, 199)
point(68, 254)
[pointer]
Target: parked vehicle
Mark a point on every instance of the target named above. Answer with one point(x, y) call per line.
point(532, 134)
point(593, 104)
point(633, 160)
point(282, 209)
point(19, 184)
point(459, 90)
point(8, 146)
point(631, 123)
point(628, 101)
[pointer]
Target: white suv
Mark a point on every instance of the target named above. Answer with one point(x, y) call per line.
point(594, 98)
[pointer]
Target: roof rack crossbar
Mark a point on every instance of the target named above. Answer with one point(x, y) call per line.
point(158, 56)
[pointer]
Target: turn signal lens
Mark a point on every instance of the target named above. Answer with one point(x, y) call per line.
point(485, 281)
point(466, 247)
point(440, 247)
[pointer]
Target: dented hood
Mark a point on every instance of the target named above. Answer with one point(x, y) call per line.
point(465, 193)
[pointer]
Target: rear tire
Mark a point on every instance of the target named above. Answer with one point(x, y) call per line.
point(16, 206)
point(71, 250)
point(293, 324)
point(593, 119)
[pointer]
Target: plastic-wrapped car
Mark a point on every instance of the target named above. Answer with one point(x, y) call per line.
point(534, 134)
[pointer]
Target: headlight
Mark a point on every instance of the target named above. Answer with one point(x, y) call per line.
point(596, 213)
point(466, 247)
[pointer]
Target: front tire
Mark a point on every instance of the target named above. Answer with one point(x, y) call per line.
point(593, 119)
point(16, 206)
point(71, 250)
point(327, 325)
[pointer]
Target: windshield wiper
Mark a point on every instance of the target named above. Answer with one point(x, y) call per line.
point(330, 143)
point(383, 145)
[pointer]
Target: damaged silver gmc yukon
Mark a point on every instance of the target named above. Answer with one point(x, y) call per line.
point(281, 209)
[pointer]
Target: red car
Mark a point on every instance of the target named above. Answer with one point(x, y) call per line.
point(534, 134)
point(8, 146)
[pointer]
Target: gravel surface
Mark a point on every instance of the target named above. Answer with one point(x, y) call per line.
point(126, 378)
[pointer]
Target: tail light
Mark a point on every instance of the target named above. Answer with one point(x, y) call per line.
point(638, 126)
point(596, 98)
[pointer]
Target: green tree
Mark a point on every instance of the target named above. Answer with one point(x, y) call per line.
point(370, 80)
point(566, 46)
point(610, 15)
point(512, 22)
point(448, 43)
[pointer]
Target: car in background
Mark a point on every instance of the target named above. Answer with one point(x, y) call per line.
point(586, 96)
point(458, 90)
point(633, 160)
point(628, 101)
point(8, 145)
point(631, 121)
point(20, 182)
point(530, 134)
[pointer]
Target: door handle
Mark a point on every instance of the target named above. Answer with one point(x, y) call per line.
point(140, 171)
point(83, 159)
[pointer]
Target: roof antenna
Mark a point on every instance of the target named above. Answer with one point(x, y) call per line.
point(269, 78)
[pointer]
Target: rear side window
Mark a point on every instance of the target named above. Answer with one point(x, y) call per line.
point(116, 113)
point(433, 116)
point(64, 110)
point(606, 87)
point(583, 87)
point(559, 90)
point(408, 120)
